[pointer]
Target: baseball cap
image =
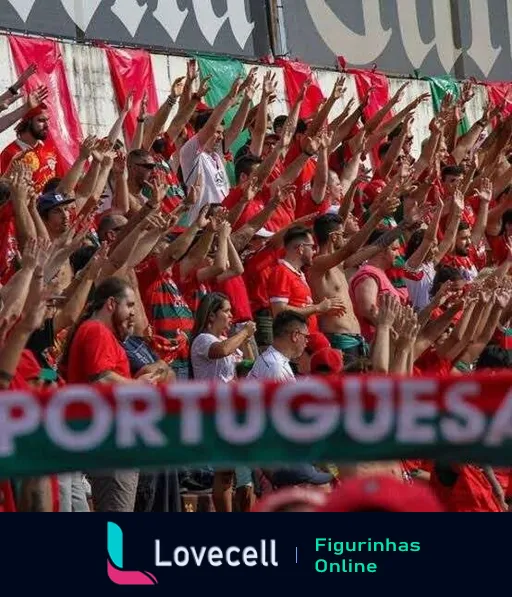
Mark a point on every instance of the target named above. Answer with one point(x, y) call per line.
point(300, 475)
point(381, 494)
point(307, 498)
point(264, 233)
point(50, 201)
point(317, 341)
point(327, 360)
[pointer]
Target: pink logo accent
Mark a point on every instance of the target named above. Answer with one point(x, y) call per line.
point(129, 577)
point(115, 561)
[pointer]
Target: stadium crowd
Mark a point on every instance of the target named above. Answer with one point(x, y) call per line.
point(143, 264)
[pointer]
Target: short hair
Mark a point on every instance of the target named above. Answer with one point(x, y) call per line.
point(376, 236)
point(201, 119)
point(451, 171)
point(284, 321)
point(444, 274)
point(464, 226)
point(414, 243)
point(138, 154)
point(107, 223)
point(384, 148)
point(279, 122)
point(51, 185)
point(245, 165)
point(302, 127)
point(494, 357)
point(296, 233)
point(324, 226)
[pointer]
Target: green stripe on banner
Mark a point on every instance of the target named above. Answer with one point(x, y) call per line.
point(223, 72)
point(350, 419)
point(439, 87)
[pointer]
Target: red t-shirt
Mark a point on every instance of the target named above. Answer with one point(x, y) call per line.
point(471, 492)
point(191, 289)
point(303, 182)
point(306, 206)
point(257, 269)
point(94, 350)
point(42, 159)
point(288, 285)
point(251, 210)
point(235, 290)
point(430, 363)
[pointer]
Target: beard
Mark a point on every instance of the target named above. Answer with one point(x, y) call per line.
point(122, 327)
point(40, 135)
point(462, 252)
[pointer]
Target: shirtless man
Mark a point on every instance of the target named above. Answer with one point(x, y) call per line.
point(327, 277)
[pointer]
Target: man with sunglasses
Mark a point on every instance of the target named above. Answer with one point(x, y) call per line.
point(141, 165)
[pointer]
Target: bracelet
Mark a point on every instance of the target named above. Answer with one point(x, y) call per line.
point(171, 101)
point(13, 90)
point(7, 377)
point(311, 155)
point(141, 120)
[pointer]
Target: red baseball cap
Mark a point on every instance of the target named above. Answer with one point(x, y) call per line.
point(327, 360)
point(306, 498)
point(381, 494)
point(317, 341)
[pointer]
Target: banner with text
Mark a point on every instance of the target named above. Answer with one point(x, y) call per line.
point(465, 38)
point(345, 419)
point(237, 27)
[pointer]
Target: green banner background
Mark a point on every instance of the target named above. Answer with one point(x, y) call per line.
point(439, 87)
point(223, 72)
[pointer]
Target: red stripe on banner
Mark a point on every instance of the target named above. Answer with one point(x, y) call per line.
point(378, 83)
point(487, 393)
point(132, 70)
point(65, 129)
point(500, 93)
point(295, 76)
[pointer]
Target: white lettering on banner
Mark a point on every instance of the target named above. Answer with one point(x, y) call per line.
point(133, 424)
point(11, 426)
point(23, 7)
point(411, 424)
point(130, 13)
point(210, 24)
point(323, 418)
point(357, 49)
point(416, 50)
point(226, 415)
point(416, 412)
point(171, 17)
point(501, 425)
point(468, 423)
point(81, 12)
point(191, 422)
point(70, 439)
point(482, 51)
point(365, 48)
point(382, 417)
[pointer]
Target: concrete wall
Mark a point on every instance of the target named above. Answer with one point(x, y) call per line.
point(89, 80)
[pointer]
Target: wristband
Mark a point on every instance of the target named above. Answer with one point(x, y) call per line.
point(141, 120)
point(13, 90)
point(171, 101)
point(311, 155)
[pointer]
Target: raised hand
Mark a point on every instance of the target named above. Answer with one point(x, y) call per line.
point(128, 104)
point(195, 191)
point(204, 87)
point(485, 190)
point(37, 97)
point(388, 310)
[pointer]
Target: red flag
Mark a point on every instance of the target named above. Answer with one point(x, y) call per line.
point(500, 93)
point(295, 76)
point(378, 83)
point(132, 70)
point(65, 130)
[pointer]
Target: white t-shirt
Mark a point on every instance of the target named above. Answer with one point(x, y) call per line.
point(273, 365)
point(194, 160)
point(206, 368)
point(419, 290)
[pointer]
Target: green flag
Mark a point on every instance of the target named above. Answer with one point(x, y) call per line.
point(439, 87)
point(224, 72)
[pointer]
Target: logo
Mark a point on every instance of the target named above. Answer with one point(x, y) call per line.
point(115, 568)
